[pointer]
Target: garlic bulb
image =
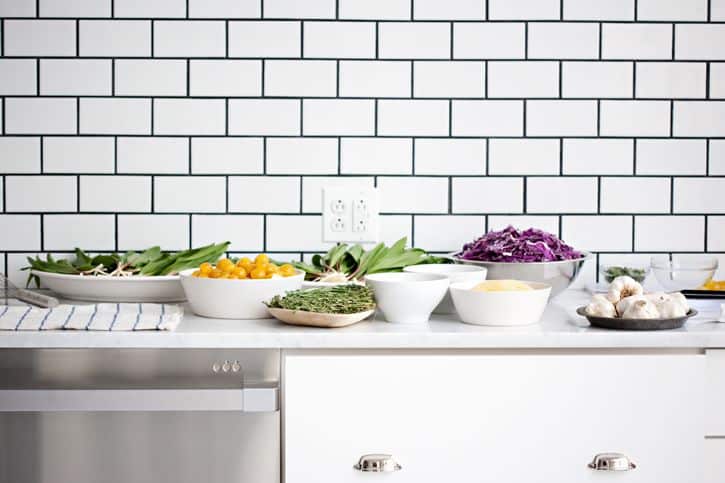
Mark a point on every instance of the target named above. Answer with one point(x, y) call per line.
point(623, 287)
point(641, 309)
point(626, 302)
point(669, 305)
point(600, 307)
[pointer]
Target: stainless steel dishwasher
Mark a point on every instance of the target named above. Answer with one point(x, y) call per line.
point(139, 415)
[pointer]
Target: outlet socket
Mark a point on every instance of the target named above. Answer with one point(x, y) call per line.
point(350, 215)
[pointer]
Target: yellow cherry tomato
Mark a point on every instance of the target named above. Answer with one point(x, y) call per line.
point(258, 273)
point(240, 273)
point(225, 265)
point(244, 262)
point(205, 267)
point(203, 275)
point(286, 270)
point(216, 273)
point(196, 273)
point(261, 259)
point(272, 269)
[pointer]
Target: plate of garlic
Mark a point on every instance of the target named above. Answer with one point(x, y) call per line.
point(625, 306)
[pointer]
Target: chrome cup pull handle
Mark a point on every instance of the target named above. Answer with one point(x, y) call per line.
point(377, 463)
point(611, 462)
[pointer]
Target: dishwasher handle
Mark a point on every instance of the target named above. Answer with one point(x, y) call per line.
point(247, 400)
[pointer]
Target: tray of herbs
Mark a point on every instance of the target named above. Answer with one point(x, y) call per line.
point(334, 306)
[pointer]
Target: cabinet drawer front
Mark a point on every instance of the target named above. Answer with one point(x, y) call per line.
point(502, 418)
point(715, 393)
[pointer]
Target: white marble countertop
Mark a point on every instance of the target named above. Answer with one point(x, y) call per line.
point(560, 327)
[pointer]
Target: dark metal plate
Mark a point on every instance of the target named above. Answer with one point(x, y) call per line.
point(636, 324)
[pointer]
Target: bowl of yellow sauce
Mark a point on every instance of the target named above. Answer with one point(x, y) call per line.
point(500, 302)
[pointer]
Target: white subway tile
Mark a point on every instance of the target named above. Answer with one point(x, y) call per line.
point(375, 9)
point(699, 195)
point(635, 195)
point(299, 78)
point(189, 38)
point(670, 79)
point(699, 119)
point(447, 233)
point(523, 9)
point(150, 77)
point(196, 194)
point(265, 39)
point(348, 40)
point(264, 117)
point(523, 156)
point(716, 233)
point(412, 118)
point(598, 233)
point(635, 118)
point(488, 118)
point(189, 116)
point(522, 222)
point(17, 8)
point(563, 40)
point(115, 116)
point(40, 193)
point(78, 155)
point(138, 232)
point(75, 77)
point(115, 38)
point(307, 230)
point(19, 154)
point(413, 195)
point(598, 10)
point(225, 78)
point(561, 118)
point(156, 155)
point(251, 194)
point(717, 157)
point(115, 193)
point(338, 117)
point(17, 77)
point(297, 9)
point(636, 41)
point(91, 232)
point(20, 232)
point(394, 227)
point(47, 38)
point(488, 195)
point(561, 195)
point(489, 40)
point(671, 156)
point(450, 10)
point(523, 79)
point(669, 233)
point(302, 155)
point(74, 8)
point(450, 156)
point(312, 188)
point(376, 156)
point(149, 9)
point(373, 78)
point(597, 79)
point(225, 155)
point(224, 9)
point(30, 116)
point(691, 10)
point(245, 232)
point(598, 156)
point(717, 10)
point(419, 40)
point(448, 79)
point(717, 80)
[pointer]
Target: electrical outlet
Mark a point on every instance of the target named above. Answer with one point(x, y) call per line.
point(349, 215)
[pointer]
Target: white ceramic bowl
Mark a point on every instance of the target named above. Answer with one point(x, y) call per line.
point(407, 298)
point(500, 308)
point(235, 299)
point(455, 273)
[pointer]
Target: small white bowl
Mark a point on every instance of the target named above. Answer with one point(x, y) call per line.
point(235, 299)
point(455, 273)
point(501, 308)
point(407, 298)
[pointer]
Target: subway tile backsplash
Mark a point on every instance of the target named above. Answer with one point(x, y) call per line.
point(180, 122)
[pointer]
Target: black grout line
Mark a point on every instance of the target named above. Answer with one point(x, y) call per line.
point(2, 37)
point(78, 38)
point(302, 117)
point(377, 40)
point(450, 118)
point(600, 39)
point(634, 156)
point(599, 195)
point(599, 118)
point(524, 118)
point(226, 38)
point(42, 232)
point(188, 78)
point(673, 41)
point(337, 9)
point(526, 40)
point(488, 157)
point(634, 80)
point(187, 9)
point(412, 79)
point(485, 79)
point(78, 193)
point(636, 13)
point(337, 78)
point(561, 75)
point(707, 80)
point(302, 39)
point(451, 39)
point(709, 10)
point(113, 78)
point(152, 39)
point(115, 232)
point(707, 157)
point(37, 77)
point(561, 157)
point(226, 117)
point(40, 154)
point(672, 117)
point(78, 116)
point(672, 195)
point(561, 10)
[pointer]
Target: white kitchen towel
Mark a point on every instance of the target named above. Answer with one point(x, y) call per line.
point(100, 317)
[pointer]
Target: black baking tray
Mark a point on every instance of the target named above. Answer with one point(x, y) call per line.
point(704, 294)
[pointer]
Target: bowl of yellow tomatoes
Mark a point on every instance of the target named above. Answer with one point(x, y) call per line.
point(236, 289)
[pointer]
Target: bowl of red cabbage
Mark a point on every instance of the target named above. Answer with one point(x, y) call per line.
point(531, 255)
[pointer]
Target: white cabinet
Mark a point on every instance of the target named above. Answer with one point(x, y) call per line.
point(499, 418)
point(715, 460)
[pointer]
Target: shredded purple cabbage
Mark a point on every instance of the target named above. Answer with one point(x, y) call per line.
point(512, 245)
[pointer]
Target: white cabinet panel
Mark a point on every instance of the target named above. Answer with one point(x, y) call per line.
point(714, 460)
point(715, 394)
point(498, 418)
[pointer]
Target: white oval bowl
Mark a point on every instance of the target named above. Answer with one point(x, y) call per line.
point(455, 273)
point(235, 299)
point(502, 308)
point(407, 298)
point(136, 288)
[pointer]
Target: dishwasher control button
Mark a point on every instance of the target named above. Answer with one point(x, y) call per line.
point(226, 366)
point(236, 367)
point(216, 367)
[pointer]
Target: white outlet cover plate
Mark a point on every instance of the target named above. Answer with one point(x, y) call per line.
point(350, 215)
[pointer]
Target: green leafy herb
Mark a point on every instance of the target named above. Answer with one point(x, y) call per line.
point(638, 274)
point(338, 299)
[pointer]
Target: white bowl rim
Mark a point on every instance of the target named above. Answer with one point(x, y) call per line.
point(406, 277)
point(106, 279)
point(189, 271)
point(467, 286)
point(444, 268)
point(453, 256)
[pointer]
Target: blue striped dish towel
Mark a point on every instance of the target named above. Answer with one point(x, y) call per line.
point(97, 317)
